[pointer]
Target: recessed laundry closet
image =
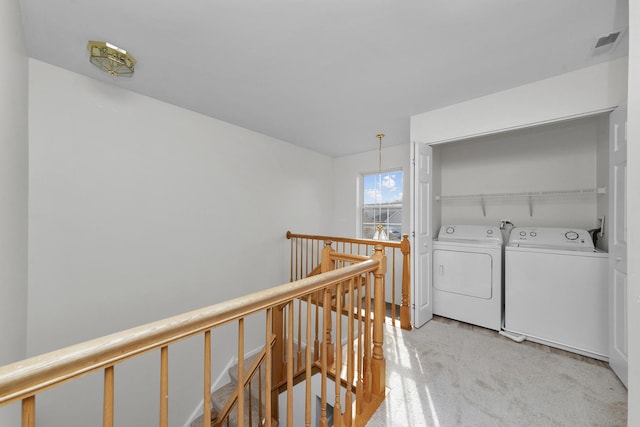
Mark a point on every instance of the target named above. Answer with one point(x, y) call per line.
point(552, 175)
point(513, 231)
point(548, 186)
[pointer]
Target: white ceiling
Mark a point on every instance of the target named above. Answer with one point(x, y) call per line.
point(326, 74)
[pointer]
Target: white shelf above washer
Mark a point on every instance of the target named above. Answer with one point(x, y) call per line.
point(530, 195)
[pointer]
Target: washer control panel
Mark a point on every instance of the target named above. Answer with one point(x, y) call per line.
point(470, 233)
point(552, 237)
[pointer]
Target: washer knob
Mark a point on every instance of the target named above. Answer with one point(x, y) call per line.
point(450, 230)
point(533, 234)
point(523, 233)
point(489, 231)
point(571, 235)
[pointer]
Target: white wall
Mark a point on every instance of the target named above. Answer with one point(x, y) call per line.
point(347, 186)
point(573, 94)
point(13, 194)
point(141, 210)
point(555, 157)
point(633, 213)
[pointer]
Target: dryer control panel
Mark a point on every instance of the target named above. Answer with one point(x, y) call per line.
point(470, 233)
point(551, 237)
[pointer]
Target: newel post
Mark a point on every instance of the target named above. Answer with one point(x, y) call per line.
point(378, 363)
point(405, 305)
point(326, 264)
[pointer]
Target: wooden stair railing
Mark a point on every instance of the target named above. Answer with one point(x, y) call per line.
point(352, 359)
point(306, 250)
point(348, 280)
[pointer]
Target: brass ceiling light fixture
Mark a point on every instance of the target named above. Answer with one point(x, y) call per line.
point(380, 234)
point(111, 59)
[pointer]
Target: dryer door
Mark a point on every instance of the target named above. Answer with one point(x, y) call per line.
point(464, 273)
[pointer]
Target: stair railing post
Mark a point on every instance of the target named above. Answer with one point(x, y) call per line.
point(326, 263)
point(378, 363)
point(405, 305)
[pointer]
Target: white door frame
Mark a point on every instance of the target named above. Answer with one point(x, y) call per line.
point(618, 326)
point(421, 231)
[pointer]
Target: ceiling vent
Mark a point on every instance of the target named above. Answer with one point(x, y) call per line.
point(607, 39)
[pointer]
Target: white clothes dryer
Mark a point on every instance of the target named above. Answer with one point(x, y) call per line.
point(556, 290)
point(467, 274)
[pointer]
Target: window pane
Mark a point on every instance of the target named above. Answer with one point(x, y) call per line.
point(395, 215)
point(368, 230)
point(395, 232)
point(368, 215)
point(382, 188)
point(382, 204)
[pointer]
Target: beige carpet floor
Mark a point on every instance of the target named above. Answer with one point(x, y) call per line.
point(452, 374)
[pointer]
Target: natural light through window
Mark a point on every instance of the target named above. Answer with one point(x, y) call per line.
point(382, 204)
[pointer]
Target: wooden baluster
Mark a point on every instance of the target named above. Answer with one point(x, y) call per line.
point(324, 362)
point(296, 277)
point(327, 265)
point(337, 408)
point(285, 358)
point(360, 355)
point(405, 309)
point(307, 355)
point(277, 323)
point(206, 400)
point(260, 392)
point(308, 258)
point(290, 366)
point(291, 260)
point(348, 403)
point(316, 342)
point(285, 340)
point(393, 287)
point(164, 386)
point(299, 352)
point(240, 389)
point(378, 362)
point(367, 340)
point(327, 333)
point(250, 401)
point(29, 411)
point(269, 373)
point(107, 409)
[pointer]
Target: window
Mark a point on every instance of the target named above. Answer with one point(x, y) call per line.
point(382, 204)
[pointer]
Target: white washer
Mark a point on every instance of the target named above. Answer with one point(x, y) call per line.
point(556, 290)
point(467, 274)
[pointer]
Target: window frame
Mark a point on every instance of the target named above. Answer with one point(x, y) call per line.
point(393, 228)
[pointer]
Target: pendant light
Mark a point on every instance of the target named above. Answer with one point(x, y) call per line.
point(380, 234)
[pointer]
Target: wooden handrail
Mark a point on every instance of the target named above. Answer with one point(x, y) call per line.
point(25, 378)
point(347, 257)
point(386, 243)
